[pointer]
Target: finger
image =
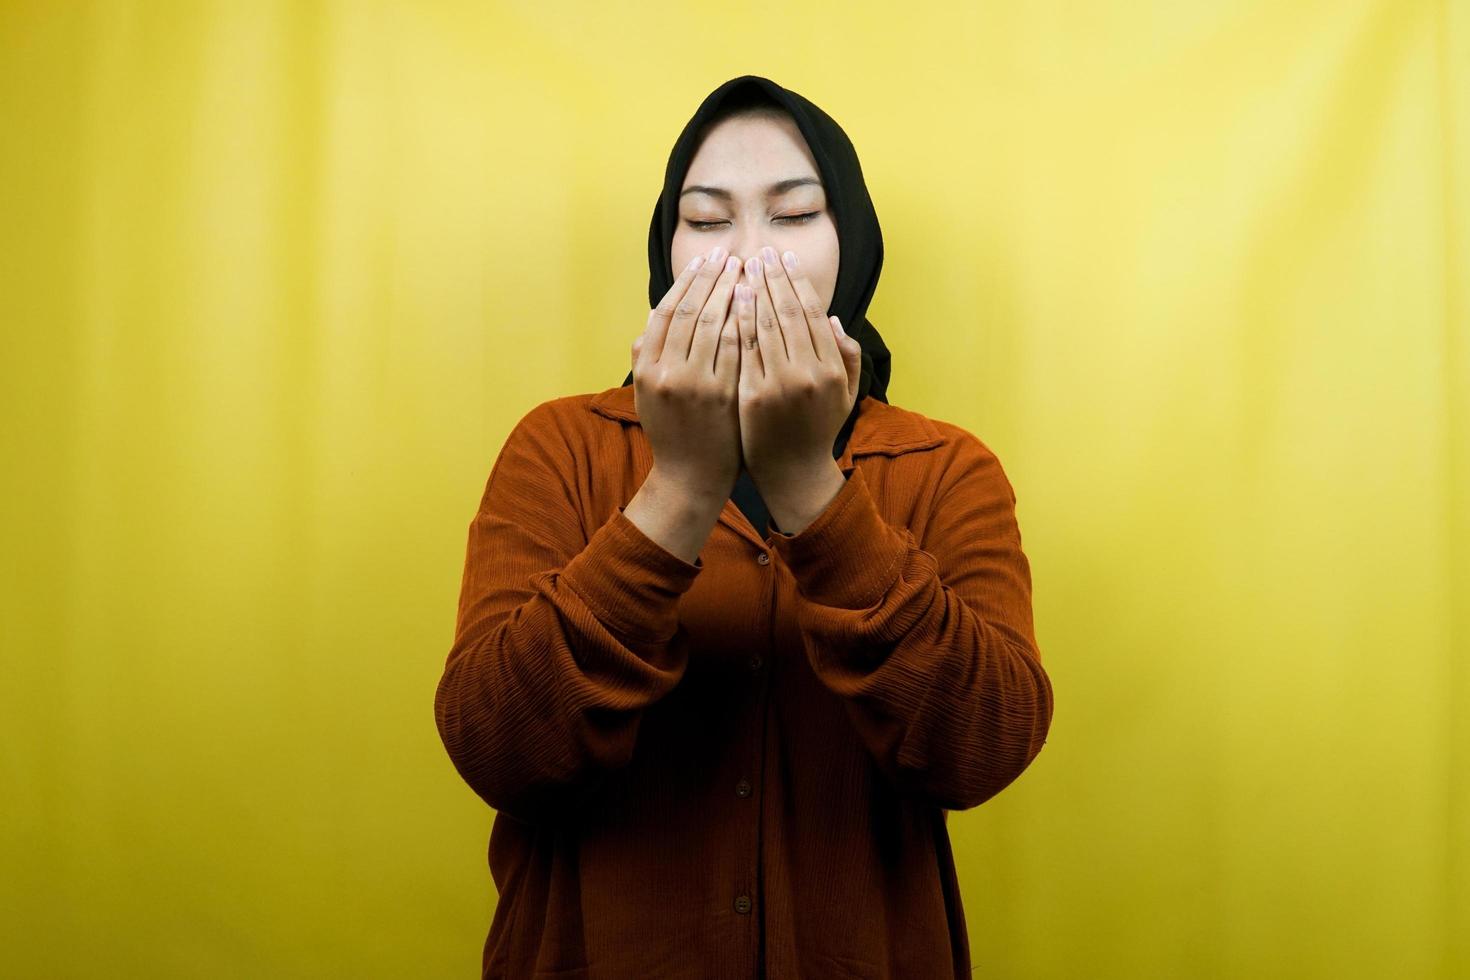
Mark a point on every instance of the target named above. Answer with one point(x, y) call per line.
point(852, 359)
point(751, 369)
point(769, 342)
point(818, 326)
point(789, 313)
point(708, 326)
point(638, 346)
point(661, 315)
point(727, 351)
point(688, 309)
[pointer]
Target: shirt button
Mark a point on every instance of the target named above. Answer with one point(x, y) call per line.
point(742, 904)
point(742, 789)
point(763, 558)
point(755, 662)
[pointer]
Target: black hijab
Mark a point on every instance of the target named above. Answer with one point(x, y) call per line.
point(860, 240)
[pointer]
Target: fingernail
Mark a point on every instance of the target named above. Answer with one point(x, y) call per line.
point(695, 263)
point(769, 254)
point(753, 267)
point(789, 257)
point(717, 253)
point(731, 264)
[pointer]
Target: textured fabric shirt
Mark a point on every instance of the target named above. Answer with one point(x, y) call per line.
point(740, 767)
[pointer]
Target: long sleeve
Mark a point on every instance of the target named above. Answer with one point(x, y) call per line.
point(931, 647)
point(561, 639)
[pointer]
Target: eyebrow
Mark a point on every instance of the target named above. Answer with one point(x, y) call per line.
point(775, 190)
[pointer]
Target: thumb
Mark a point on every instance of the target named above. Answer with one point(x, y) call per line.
point(852, 358)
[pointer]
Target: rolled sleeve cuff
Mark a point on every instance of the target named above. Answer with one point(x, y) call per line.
point(849, 556)
point(631, 582)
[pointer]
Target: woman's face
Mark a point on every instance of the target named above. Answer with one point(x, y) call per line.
point(732, 197)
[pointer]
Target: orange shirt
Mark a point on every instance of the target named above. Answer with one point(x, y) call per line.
point(740, 767)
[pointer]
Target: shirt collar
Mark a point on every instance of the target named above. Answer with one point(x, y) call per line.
point(880, 429)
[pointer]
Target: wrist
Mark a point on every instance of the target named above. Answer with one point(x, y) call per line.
point(800, 495)
point(695, 493)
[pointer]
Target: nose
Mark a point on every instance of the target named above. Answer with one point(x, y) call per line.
point(745, 247)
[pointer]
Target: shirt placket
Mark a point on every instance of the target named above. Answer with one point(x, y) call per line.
point(749, 789)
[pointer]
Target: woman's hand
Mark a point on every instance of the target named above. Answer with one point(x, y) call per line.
point(686, 371)
point(799, 375)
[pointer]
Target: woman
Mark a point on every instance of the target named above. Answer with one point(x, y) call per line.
point(716, 751)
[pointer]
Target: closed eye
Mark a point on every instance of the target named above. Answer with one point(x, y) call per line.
point(794, 218)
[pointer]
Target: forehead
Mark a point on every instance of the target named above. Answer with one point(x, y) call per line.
point(748, 154)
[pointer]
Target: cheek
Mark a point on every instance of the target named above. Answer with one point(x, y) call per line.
point(681, 250)
point(824, 251)
point(825, 260)
point(684, 247)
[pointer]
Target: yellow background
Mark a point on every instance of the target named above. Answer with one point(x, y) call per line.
point(276, 279)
